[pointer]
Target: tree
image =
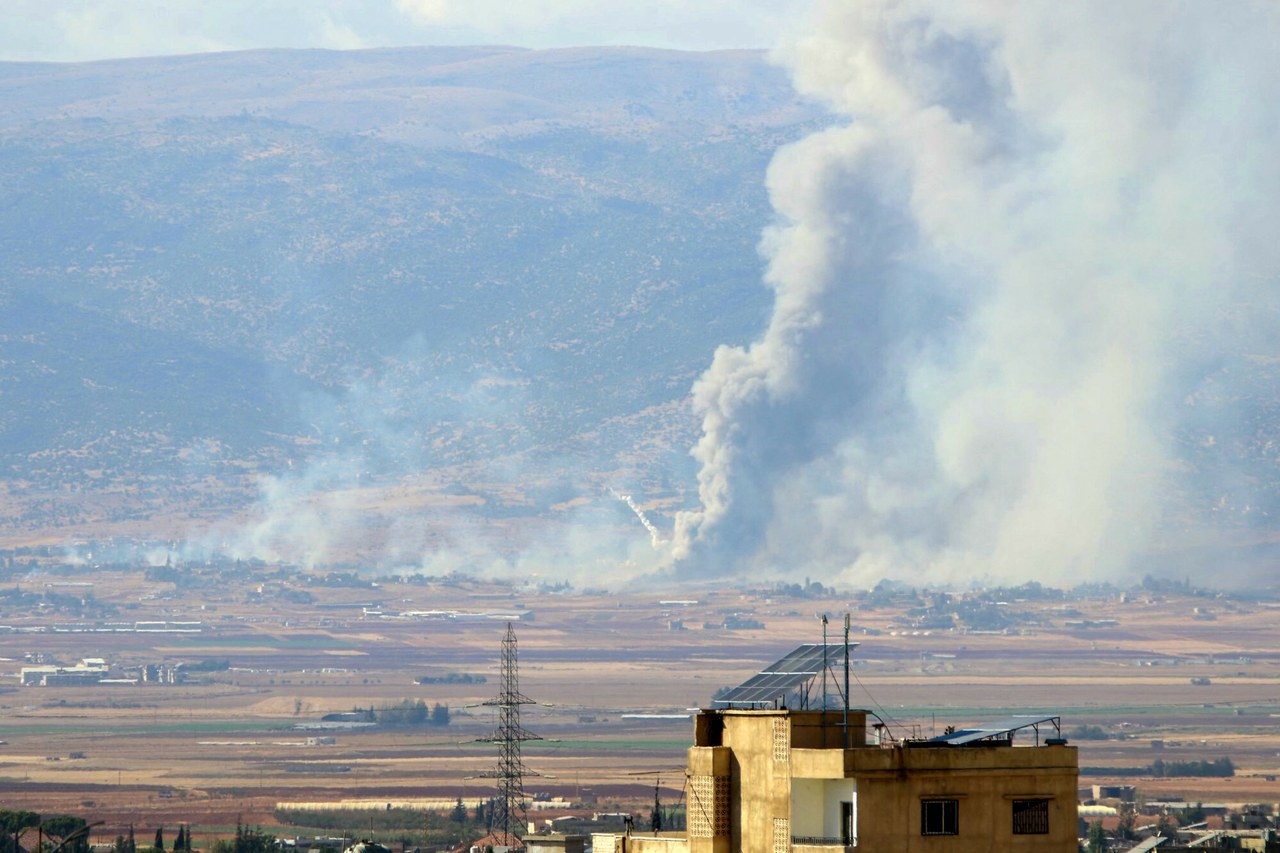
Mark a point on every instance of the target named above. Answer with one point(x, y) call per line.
point(14, 823)
point(1097, 838)
point(439, 715)
point(1089, 733)
point(159, 843)
point(406, 713)
point(1125, 829)
point(459, 814)
point(246, 841)
point(69, 832)
point(132, 844)
point(257, 841)
point(1166, 826)
point(480, 812)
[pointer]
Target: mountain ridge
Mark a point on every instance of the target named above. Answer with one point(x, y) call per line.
point(412, 265)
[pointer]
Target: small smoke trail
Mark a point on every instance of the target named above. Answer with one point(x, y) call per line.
point(654, 536)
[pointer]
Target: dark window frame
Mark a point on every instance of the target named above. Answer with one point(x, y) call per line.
point(1031, 816)
point(939, 816)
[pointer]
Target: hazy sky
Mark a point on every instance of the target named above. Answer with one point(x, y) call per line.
point(74, 30)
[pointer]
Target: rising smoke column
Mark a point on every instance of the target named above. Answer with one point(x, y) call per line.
point(985, 287)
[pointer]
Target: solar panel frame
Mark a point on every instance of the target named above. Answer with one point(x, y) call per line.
point(996, 728)
point(789, 672)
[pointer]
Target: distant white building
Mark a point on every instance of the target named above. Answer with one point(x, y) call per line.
point(87, 671)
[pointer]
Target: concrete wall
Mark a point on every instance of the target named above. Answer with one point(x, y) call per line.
point(834, 793)
point(984, 781)
point(815, 806)
point(760, 782)
point(764, 800)
point(666, 842)
point(662, 843)
point(558, 843)
point(709, 769)
point(818, 730)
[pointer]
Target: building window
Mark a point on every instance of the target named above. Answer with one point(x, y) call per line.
point(939, 817)
point(1031, 817)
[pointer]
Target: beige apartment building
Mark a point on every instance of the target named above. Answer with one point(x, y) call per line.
point(812, 781)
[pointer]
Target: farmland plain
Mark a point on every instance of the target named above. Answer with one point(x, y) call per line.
point(1164, 674)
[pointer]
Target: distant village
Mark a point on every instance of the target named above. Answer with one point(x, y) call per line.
point(846, 774)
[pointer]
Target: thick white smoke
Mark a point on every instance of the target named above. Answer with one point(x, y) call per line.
point(988, 288)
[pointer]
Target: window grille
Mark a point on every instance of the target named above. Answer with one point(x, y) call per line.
point(1031, 817)
point(939, 817)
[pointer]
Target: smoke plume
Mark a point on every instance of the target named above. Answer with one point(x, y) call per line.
point(996, 287)
point(655, 537)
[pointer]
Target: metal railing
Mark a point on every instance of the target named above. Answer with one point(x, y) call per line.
point(824, 841)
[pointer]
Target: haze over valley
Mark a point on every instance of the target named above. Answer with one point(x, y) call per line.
point(283, 302)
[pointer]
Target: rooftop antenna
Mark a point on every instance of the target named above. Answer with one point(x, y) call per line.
point(655, 817)
point(655, 820)
point(846, 681)
point(824, 676)
point(509, 735)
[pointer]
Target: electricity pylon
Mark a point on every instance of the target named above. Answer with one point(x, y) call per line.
point(509, 735)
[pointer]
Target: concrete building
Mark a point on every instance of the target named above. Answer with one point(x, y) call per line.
point(556, 843)
point(87, 671)
point(806, 781)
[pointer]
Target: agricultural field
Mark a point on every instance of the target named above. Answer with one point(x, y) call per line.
point(1173, 676)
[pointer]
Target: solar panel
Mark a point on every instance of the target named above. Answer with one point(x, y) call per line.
point(1149, 845)
point(997, 729)
point(778, 679)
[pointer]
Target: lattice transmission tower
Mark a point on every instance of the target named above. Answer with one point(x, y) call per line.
point(509, 736)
